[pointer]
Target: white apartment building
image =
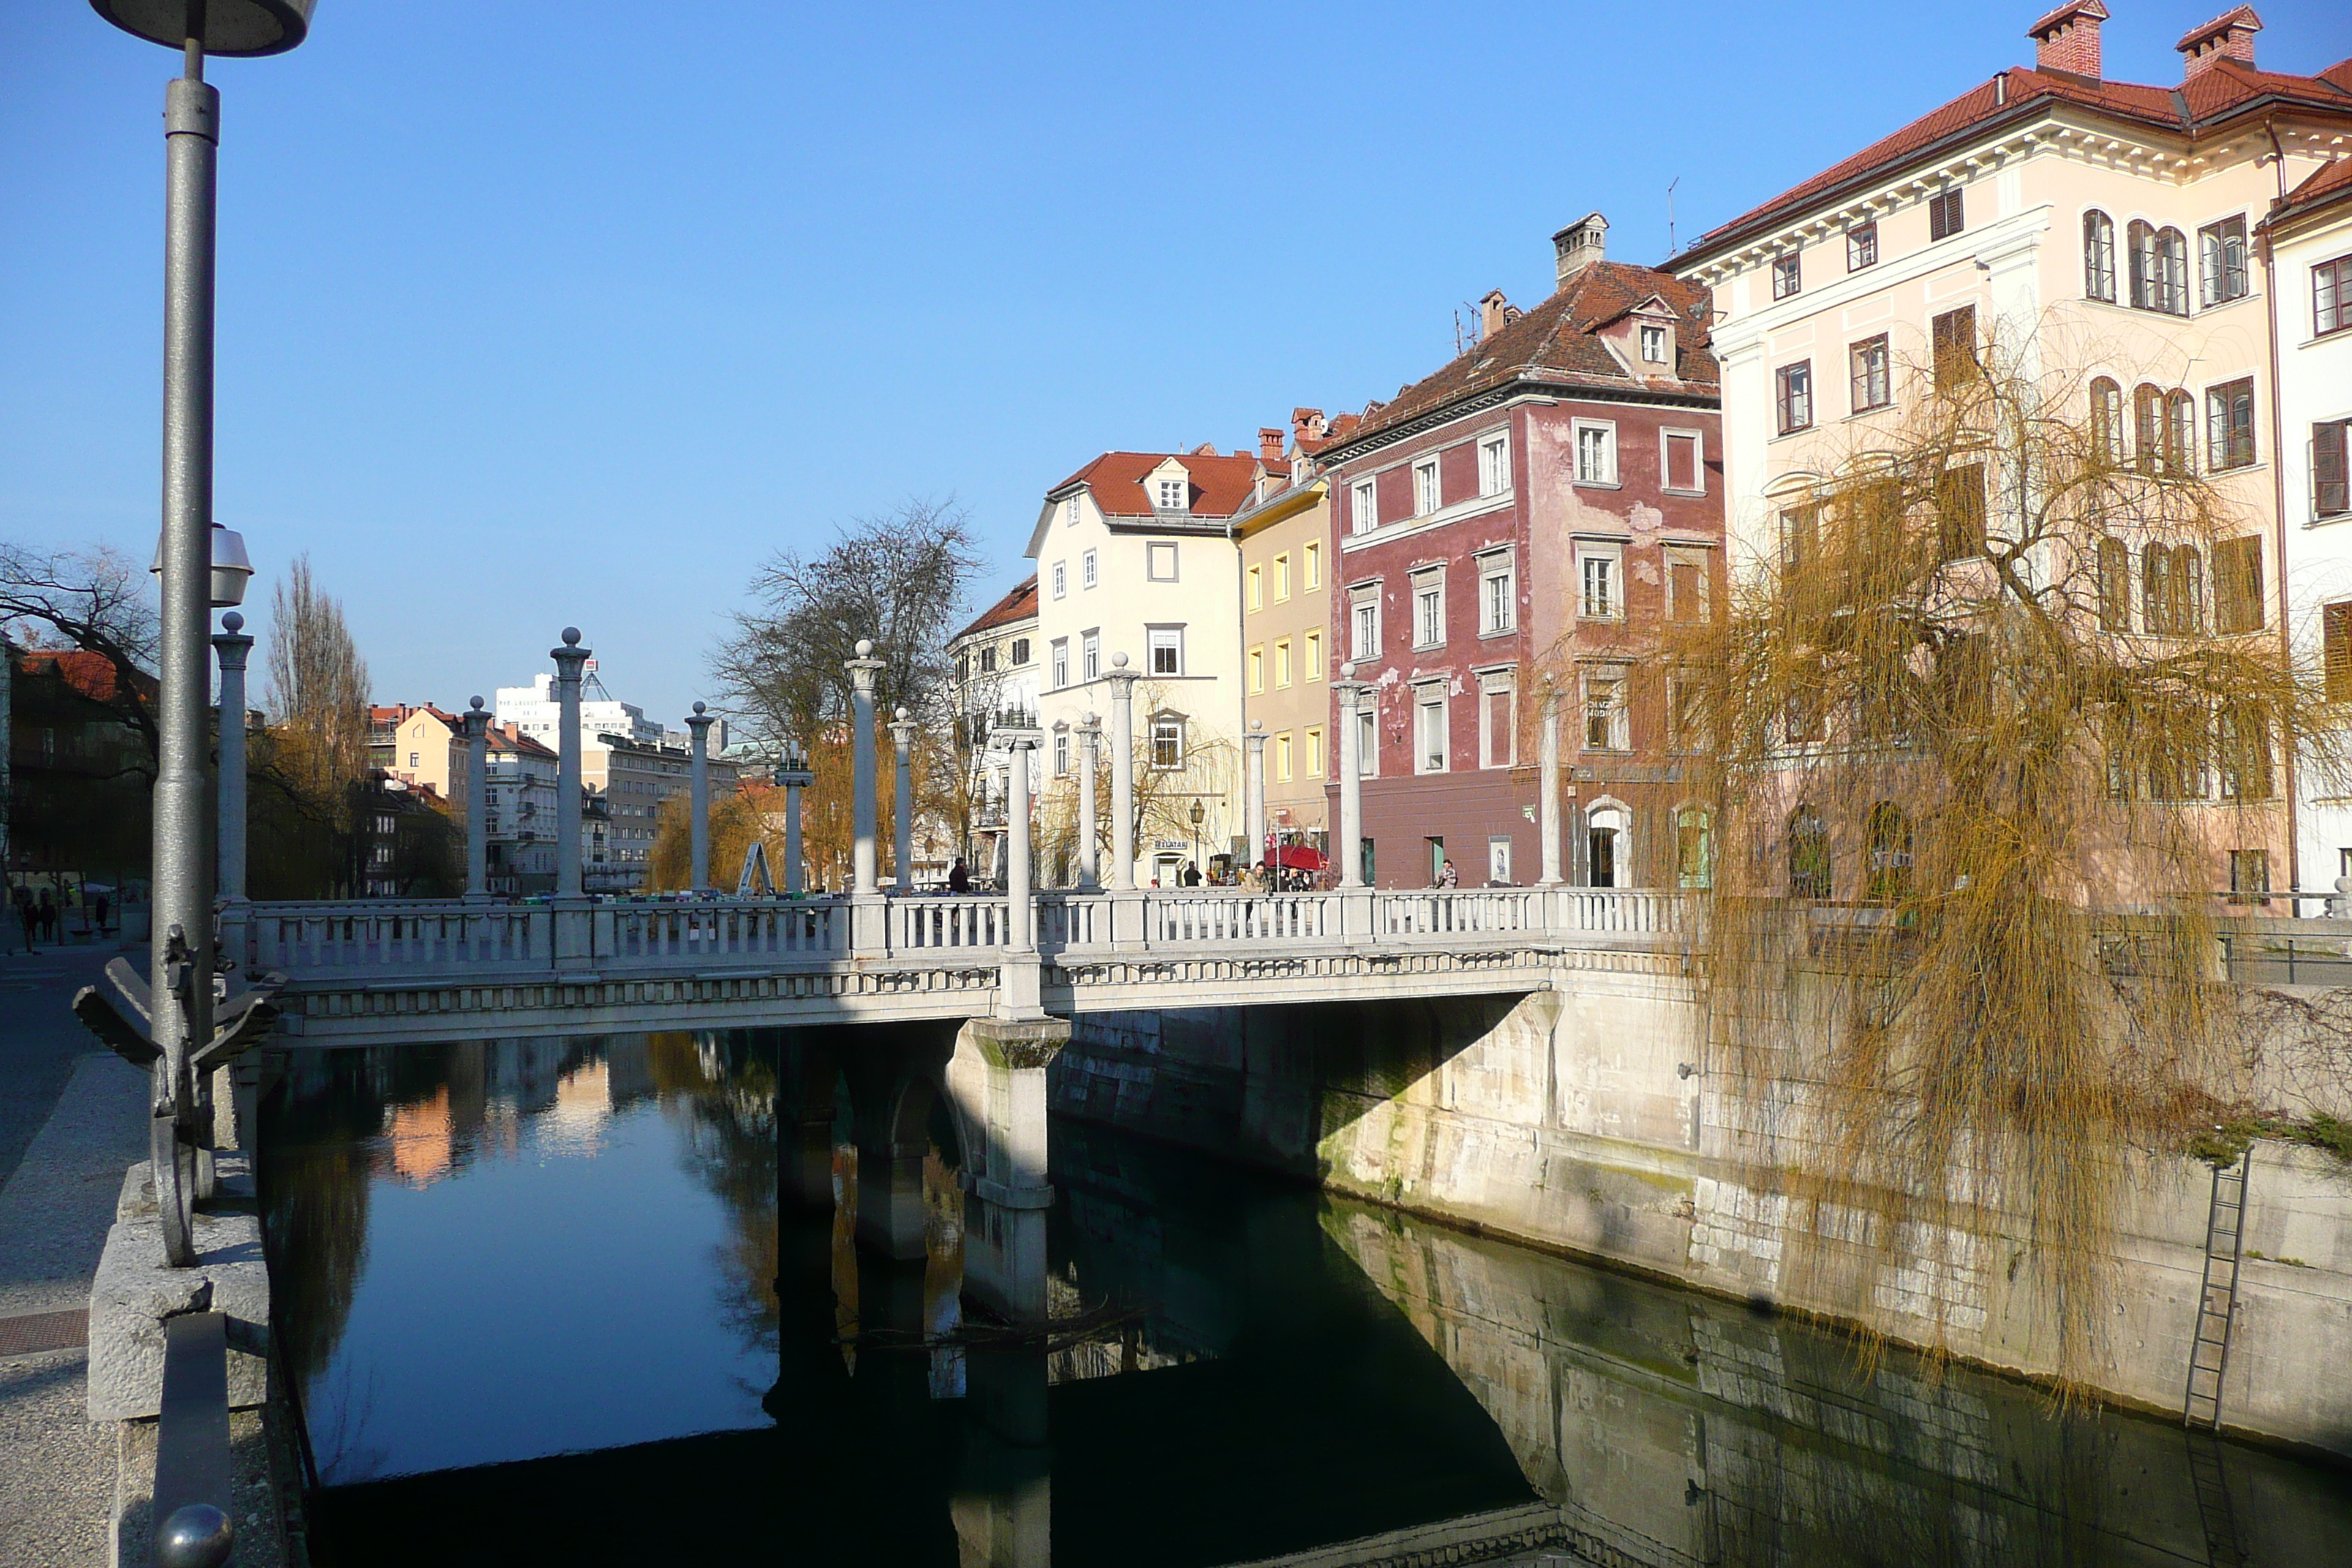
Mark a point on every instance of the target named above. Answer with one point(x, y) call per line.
point(1134, 556)
point(996, 673)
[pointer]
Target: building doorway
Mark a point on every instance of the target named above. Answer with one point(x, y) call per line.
point(1605, 843)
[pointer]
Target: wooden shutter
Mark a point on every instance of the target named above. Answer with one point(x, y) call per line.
point(2335, 649)
point(2331, 484)
point(2238, 585)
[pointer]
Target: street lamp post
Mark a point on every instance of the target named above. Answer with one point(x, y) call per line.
point(1198, 812)
point(179, 976)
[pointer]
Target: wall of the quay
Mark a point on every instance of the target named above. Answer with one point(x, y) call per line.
point(1584, 1119)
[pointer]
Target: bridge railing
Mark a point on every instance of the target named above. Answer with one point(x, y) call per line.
point(296, 937)
point(715, 928)
point(954, 924)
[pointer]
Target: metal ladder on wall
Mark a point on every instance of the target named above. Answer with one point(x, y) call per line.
point(2217, 1295)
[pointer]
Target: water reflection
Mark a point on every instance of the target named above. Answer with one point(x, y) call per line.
point(590, 1302)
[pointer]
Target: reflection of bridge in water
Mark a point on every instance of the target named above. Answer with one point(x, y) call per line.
point(1310, 1381)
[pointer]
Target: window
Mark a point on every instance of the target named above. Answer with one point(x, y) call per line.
point(1020, 655)
point(2098, 257)
point(1167, 741)
point(1680, 453)
point(1368, 743)
point(2160, 268)
point(1862, 247)
point(1809, 854)
point(1282, 757)
point(2241, 745)
point(2172, 590)
point(1282, 662)
point(1688, 588)
point(988, 660)
point(1255, 660)
point(2176, 754)
point(1311, 656)
point(1493, 467)
point(1429, 731)
point(1801, 538)
point(2115, 585)
point(1313, 562)
point(2222, 261)
point(1959, 499)
point(964, 667)
point(1497, 721)
point(1602, 599)
point(2180, 433)
point(415, 759)
point(1945, 214)
point(1173, 495)
point(1364, 624)
point(1061, 663)
point(1428, 609)
point(1654, 345)
point(2331, 468)
point(1070, 512)
point(2331, 296)
point(1363, 510)
point(2249, 874)
point(2335, 649)
point(1787, 274)
point(1087, 573)
point(2229, 424)
point(1874, 385)
point(1694, 848)
point(1060, 753)
point(1090, 657)
point(1954, 345)
point(1685, 714)
point(1596, 453)
point(1794, 396)
point(2107, 420)
point(1314, 750)
point(1498, 594)
point(2238, 585)
point(1167, 650)
point(1604, 713)
point(1160, 561)
point(1256, 576)
point(1424, 486)
point(1061, 578)
point(1282, 579)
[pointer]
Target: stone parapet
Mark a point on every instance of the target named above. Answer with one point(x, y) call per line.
point(134, 1292)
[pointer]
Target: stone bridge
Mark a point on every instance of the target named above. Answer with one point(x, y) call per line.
point(382, 971)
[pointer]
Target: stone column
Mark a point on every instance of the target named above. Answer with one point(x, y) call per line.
point(1122, 773)
point(698, 724)
point(863, 669)
point(794, 776)
point(1348, 844)
point(1020, 918)
point(1253, 793)
point(574, 938)
point(997, 1080)
point(231, 645)
point(477, 725)
point(1089, 743)
point(902, 800)
point(1547, 784)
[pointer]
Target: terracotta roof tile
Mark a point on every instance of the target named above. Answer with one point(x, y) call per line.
point(1555, 343)
point(2330, 183)
point(90, 674)
point(1020, 604)
point(1220, 486)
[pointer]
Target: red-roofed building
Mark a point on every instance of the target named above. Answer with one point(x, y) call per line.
point(2098, 233)
point(78, 773)
point(1537, 508)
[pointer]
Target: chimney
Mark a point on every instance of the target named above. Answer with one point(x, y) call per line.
point(2229, 37)
point(2067, 40)
point(1492, 314)
point(1307, 423)
point(1269, 443)
point(1578, 246)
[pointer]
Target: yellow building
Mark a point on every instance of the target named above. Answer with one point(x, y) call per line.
point(1285, 541)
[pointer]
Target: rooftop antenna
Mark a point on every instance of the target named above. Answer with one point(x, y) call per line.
point(1670, 215)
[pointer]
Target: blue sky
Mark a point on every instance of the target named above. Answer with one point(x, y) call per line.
point(533, 314)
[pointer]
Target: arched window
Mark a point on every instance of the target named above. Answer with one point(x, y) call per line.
point(2141, 247)
point(1694, 848)
point(2107, 420)
point(2098, 257)
point(1890, 852)
point(1809, 854)
point(2115, 585)
point(2147, 428)
point(2179, 434)
point(2172, 590)
point(2160, 268)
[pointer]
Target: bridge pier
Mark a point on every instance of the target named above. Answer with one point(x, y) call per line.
point(996, 1081)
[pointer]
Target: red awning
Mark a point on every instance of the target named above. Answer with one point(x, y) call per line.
point(1296, 857)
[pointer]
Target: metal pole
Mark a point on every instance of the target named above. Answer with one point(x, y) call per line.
point(1253, 793)
point(568, 780)
point(1548, 786)
point(698, 724)
point(1350, 848)
point(795, 868)
point(180, 906)
point(477, 801)
point(1018, 934)
point(862, 671)
point(1089, 743)
point(902, 800)
point(231, 647)
point(1122, 773)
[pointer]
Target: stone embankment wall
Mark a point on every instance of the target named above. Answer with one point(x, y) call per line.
point(1585, 1119)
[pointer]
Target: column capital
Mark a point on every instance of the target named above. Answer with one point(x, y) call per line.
point(475, 720)
point(699, 721)
point(865, 667)
point(570, 655)
point(231, 643)
point(903, 726)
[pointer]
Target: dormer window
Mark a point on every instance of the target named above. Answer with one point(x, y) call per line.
point(1172, 495)
point(1653, 344)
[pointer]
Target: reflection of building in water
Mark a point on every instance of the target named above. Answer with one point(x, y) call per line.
point(424, 1139)
point(584, 1103)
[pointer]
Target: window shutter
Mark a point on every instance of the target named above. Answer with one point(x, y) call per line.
point(2331, 484)
point(2336, 644)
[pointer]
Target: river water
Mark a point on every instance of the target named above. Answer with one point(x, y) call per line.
point(540, 1304)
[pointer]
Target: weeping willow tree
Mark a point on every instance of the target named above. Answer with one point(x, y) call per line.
point(1989, 757)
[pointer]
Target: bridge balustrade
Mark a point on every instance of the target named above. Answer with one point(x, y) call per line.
point(929, 925)
point(383, 935)
point(777, 928)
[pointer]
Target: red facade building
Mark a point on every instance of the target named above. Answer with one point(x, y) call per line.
point(1538, 511)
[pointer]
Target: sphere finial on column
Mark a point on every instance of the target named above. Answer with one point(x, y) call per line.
point(477, 704)
point(1119, 661)
point(232, 623)
point(901, 714)
point(865, 648)
point(698, 708)
point(571, 636)
point(1347, 671)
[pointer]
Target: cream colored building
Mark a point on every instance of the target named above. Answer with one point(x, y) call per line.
point(1286, 664)
point(2098, 233)
point(1134, 557)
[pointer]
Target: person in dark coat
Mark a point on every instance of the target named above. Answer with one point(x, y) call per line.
point(959, 879)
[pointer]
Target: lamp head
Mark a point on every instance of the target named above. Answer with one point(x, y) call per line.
point(232, 28)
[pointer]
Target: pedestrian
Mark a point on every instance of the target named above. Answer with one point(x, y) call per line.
point(1191, 877)
point(1447, 876)
point(97, 910)
point(28, 917)
point(48, 918)
point(958, 877)
point(1254, 880)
